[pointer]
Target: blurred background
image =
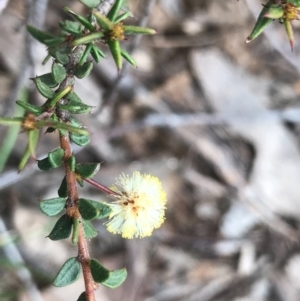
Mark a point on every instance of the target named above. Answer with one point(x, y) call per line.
point(217, 120)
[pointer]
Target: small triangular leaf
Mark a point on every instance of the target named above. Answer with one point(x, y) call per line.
point(103, 210)
point(55, 157)
point(62, 229)
point(48, 80)
point(63, 188)
point(99, 273)
point(87, 170)
point(89, 230)
point(80, 140)
point(71, 27)
point(44, 164)
point(62, 57)
point(116, 278)
point(58, 72)
point(43, 89)
point(73, 97)
point(86, 209)
point(53, 206)
point(83, 70)
point(68, 273)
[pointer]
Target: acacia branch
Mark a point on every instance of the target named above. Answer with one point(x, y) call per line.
point(72, 211)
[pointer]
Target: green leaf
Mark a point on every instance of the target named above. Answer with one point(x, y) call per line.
point(122, 17)
point(58, 96)
point(114, 10)
point(39, 35)
point(87, 170)
point(102, 21)
point(53, 206)
point(46, 59)
point(86, 53)
point(48, 80)
point(80, 140)
point(128, 58)
point(75, 233)
point(9, 139)
point(61, 126)
point(115, 50)
point(96, 53)
point(68, 273)
point(58, 72)
point(55, 157)
point(63, 188)
point(73, 97)
point(99, 273)
point(34, 136)
point(87, 210)
point(44, 164)
point(62, 228)
point(115, 278)
point(72, 163)
point(76, 108)
point(11, 120)
point(62, 57)
point(85, 22)
point(88, 38)
point(29, 107)
point(43, 88)
point(90, 3)
point(82, 297)
point(274, 12)
point(261, 23)
point(103, 210)
point(81, 71)
point(54, 42)
point(32, 141)
point(74, 122)
point(74, 28)
point(129, 29)
point(89, 230)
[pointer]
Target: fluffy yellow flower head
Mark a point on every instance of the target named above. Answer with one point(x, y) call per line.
point(140, 208)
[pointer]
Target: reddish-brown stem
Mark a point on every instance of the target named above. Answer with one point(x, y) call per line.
point(72, 210)
point(101, 187)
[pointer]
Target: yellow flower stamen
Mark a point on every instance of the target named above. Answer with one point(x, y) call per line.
point(291, 12)
point(117, 32)
point(140, 208)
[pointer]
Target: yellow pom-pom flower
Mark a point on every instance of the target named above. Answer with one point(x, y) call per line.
point(140, 207)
